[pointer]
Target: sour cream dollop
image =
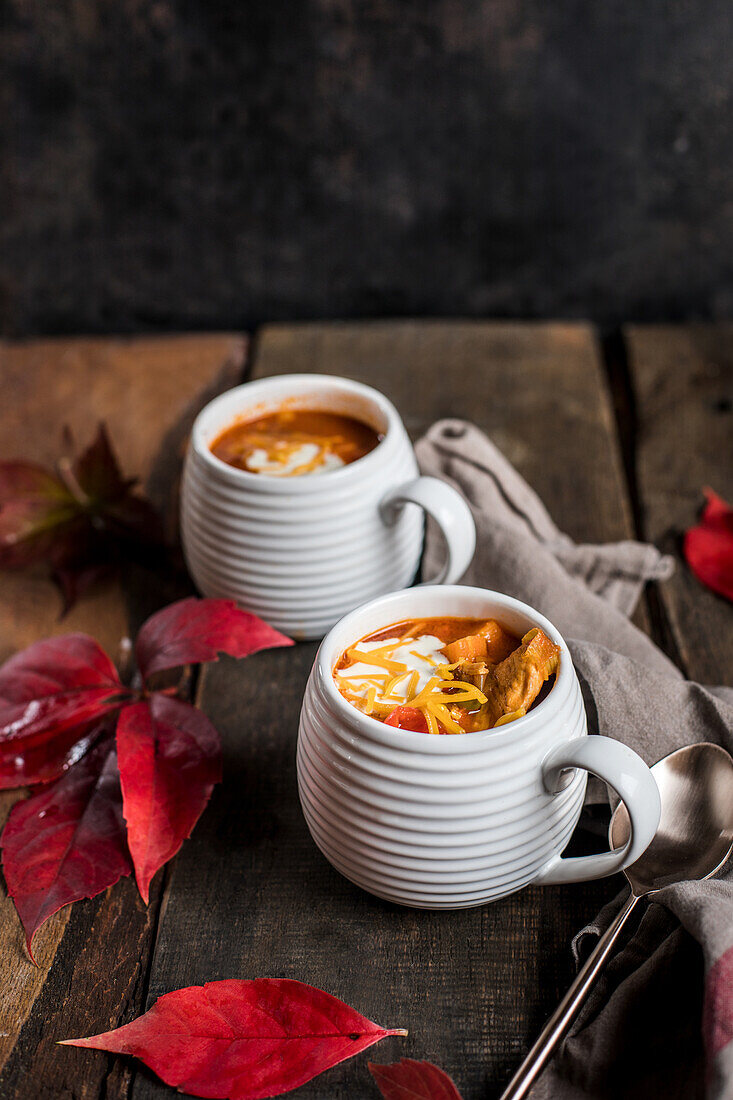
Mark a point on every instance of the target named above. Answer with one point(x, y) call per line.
point(305, 460)
point(421, 655)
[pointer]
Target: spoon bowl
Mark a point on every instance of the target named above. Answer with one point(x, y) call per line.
point(695, 834)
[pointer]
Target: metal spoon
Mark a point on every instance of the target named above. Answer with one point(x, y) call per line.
point(693, 841)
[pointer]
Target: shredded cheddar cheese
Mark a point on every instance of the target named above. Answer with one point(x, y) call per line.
point(442, 714)
point(431, 722)
point(412, 631)
point(377, 681)
point(391, 685)
point(373, 658)
point(510, 717)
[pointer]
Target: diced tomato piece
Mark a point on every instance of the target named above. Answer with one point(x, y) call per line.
point(407, 718)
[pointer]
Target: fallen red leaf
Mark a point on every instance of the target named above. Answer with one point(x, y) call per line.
point(242, 1040)
point(67, 841)
point(83, 520)
point(44, 758)
point(708, 547)
point(193, 630)
point(410, 1080)
point(51, 695)
point(55, 700)
point(170, 759)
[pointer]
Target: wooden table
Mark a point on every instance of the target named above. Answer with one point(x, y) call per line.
point(618, 436)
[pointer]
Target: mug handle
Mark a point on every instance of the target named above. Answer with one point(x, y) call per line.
point(449, 510)
point(626, 772)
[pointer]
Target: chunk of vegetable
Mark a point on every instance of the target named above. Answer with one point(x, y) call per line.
point(407, 718)
point(491, 643)
point(499, 642)
point(470, 648)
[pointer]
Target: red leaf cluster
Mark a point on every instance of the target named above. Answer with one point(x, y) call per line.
point(130, 771)
point(245, 1040)
point(82, 519)
point(708, 547)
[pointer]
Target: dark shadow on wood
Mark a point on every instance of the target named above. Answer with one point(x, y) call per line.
point(615, 359)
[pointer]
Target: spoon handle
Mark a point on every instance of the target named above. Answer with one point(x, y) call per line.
point(565, 1013)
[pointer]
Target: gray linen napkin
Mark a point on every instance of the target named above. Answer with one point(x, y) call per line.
point(659, 1022)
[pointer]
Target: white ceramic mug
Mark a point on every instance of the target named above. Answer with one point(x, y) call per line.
point(446, 822)
point(302, 551)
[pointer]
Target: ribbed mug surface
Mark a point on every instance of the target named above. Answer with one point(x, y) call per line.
point(437, 822)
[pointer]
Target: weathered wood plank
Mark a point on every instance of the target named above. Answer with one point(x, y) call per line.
point(683, 383)
point(250, 895)
point(538, 388)
point(148, 391)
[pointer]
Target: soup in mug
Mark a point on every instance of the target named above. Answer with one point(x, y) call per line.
point(447, 675)
point(295, 442)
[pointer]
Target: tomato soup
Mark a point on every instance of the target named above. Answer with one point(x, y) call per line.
point(447, 675)
point(294, 442)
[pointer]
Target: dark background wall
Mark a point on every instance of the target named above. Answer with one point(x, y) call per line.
point(201, 163)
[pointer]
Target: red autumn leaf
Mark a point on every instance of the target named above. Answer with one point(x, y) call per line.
point(55, 683)
point(717, 509)
point(83, 520)
point(410, 1080)
point(708, 547)
point(43, 759)
point(242, 1040)
point(51, 695)
point(170, 759)
point(55, 699)
point(67, 841)
point(193, 630)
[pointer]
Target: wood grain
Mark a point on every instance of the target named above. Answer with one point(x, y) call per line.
point(683, 386)
point(250, 895)
point(147, 390)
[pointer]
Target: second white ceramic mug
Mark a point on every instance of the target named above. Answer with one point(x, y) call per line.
point(302, 551)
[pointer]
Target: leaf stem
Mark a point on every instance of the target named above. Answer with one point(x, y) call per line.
point(65, 471)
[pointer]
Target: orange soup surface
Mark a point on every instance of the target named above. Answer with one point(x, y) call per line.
point(294, 442)
point(447, 675)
